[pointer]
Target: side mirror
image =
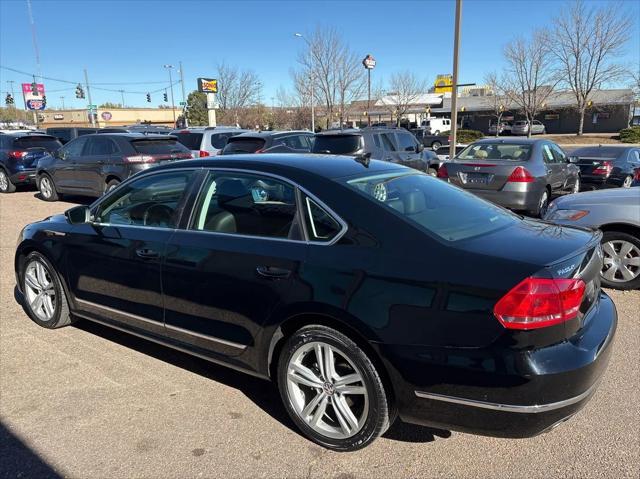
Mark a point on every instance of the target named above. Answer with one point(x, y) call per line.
point(78, 215)
point(419, 148)
point(60, 154)
point(573, 159)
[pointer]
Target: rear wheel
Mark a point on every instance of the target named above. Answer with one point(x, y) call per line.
point(432, 172)
point(435, 145)
point(111, 185)
point(543, 204)
point(621, 260)
point(626, 183)
point(332, 390)
point(47, 188)
point(6, 186)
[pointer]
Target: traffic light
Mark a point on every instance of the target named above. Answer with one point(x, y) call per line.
point(79, 91)
point(166, 97)
point(9, 99)
point(148, 97)
point(34, 88)
point(44, 100)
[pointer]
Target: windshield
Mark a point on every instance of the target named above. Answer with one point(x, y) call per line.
point(439, 208)
point(496, 151)
point(337, 144)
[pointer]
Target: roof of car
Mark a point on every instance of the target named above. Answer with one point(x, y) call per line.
point(328, 166)
point(25, 133)
point(265, 134)
point(135, 135)
point(510, 141)
point(346, 131)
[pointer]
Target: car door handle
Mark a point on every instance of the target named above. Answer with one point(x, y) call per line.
point(273, 272)
point(146, 253)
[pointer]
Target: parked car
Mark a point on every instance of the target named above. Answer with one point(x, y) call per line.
point(66, 134)
point(396, 145)
point(19, 155)
point(435, 126)
point(636, 177)
point(617, 214)
point(607, 166)
point(504, 129)
point(521, 127)
point(501, 329)
point(270, 142)
point(94, 164)
point(206, 141)
point(430, 141)
point(443, 152)
point(520, 174)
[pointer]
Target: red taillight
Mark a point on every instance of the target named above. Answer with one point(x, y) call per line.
point(203, 153)
point(603, 169)
point(17, 155)
point(520, 175)
point(636, 175)
point(540, 302)
point(442, 172)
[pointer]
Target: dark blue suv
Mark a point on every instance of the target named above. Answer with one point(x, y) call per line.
point(19, 155)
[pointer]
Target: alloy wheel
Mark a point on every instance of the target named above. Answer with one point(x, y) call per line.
point(576, 186)
point(327, 391)
point(627, 182)
point(621, 261)
point(39, 290)
point(544, 203)
point(4, 181)
point(46, 188)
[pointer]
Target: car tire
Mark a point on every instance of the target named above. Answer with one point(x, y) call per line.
point(612, 275)
point(437, 132)
point(628, 180)
point(111, 184)
point(6, 186)
point(43, 296)
point(576, 185)
point(47, 188)
point(339, 416)
point(432, 172)
point(435, 145)
point(543, 204)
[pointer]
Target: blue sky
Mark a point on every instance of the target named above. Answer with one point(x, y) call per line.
point(129, 41)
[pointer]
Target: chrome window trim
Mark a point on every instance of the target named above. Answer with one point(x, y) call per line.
point(515, 408)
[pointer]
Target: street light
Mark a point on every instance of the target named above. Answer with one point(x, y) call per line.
point(173, 105)
point(311, 88)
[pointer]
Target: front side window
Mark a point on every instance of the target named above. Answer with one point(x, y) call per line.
point(99, 146)
point(73, 149)
point(321, 226)
point(445, 211)
point(247, 204)
point(558, 153)
point(406, 142)
point(149, 201)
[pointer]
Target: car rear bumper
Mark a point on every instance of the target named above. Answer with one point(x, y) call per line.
point(21, 177)
point(503, 393)
point(527, 199)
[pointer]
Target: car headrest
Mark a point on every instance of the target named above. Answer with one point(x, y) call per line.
point(518, 154)
point(414, 203)
point(481, 154)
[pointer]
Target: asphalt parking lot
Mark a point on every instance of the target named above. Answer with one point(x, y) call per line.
point(87, 401)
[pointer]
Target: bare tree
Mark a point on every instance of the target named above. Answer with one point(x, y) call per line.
point(238, 89)
point(585, 41)
point(405, 89)
point(498, 98)
point(529, 73)
point(333, 69)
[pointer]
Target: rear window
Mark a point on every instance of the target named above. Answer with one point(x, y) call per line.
point(37, 141)
point(191, 140)
point(62, 133)
point(449, 213)
point(337, 144)
point(219, 140)
point(158, 147)
point(600, 152)
point(496, 151)
point(520, 123)
point(243, 145)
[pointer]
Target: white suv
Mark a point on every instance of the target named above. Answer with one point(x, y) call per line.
point(206, 140)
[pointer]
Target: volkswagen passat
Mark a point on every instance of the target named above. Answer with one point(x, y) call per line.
point(312, 272)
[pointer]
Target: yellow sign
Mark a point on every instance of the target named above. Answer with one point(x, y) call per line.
point(443, 84)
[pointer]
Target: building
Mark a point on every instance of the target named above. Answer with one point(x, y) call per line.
point(106, 117)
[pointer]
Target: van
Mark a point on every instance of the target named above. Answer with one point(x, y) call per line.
point(435, 126)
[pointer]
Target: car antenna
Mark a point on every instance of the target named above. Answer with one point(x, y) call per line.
point(364, 159)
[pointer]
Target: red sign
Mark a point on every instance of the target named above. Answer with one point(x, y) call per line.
point(32, 101)
point(106, 115)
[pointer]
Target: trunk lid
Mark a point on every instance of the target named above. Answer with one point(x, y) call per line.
point(588, 164)
point(489, 174)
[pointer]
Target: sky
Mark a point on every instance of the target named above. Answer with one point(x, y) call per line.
point(128, 42)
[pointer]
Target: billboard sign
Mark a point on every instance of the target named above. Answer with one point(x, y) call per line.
point(208, 85)
point(31, 101)
point(369, 62)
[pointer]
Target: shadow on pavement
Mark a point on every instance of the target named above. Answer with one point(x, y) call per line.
point(70, 199)
point(262, 393)
point(17, 459)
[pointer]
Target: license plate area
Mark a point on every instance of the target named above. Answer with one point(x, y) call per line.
point(475, 178)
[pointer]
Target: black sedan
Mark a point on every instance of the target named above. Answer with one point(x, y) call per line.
point(607, 166)
point(520, 174)
point(314, 274)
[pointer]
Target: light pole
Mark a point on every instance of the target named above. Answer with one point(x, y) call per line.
point(369, 63)
point(62, 100)
point(312, 85)
point(454, 92)
point(173, 105)
point(184, 101)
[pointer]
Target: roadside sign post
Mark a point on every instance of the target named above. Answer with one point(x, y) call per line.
point(369, 63)
point(210, 87)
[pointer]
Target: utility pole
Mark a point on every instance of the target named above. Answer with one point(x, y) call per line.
point(184, 101)
point(62, 100)
point(454, 91)
point(122, 96)
point(86, 82)
point(173, 105)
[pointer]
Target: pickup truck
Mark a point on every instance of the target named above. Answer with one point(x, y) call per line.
point(430, 141)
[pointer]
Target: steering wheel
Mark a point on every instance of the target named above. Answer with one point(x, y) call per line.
point(158, 215)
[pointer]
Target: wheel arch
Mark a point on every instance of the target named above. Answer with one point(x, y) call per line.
point(621, 228)
point(23, 251)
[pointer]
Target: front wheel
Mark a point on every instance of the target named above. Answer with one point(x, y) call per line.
point(332, 390)
point(47, 188)
point(628, 180)
point(435, 145)
point(621, 260)
point(576, 185)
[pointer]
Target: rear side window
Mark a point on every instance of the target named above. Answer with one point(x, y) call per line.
point(37, 141)
point(321, 226)
point(158, 146)
point(190, 140)
point(337, 144)
point(100, 146)
point(243, 145)
point(388, 142)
